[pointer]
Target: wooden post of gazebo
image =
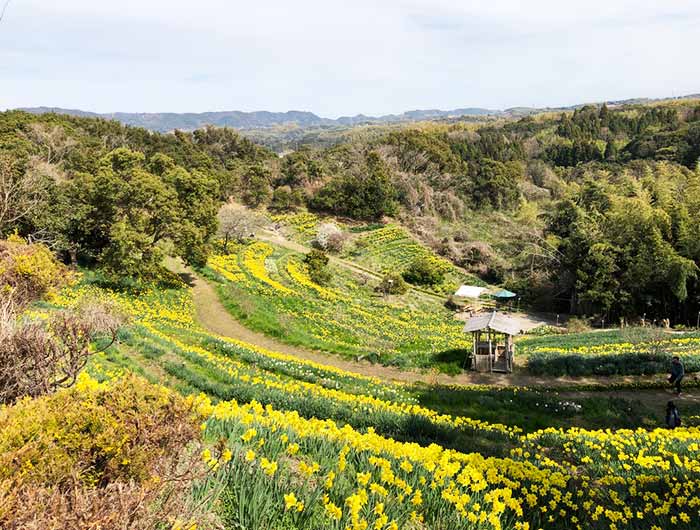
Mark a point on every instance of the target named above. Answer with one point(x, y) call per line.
point(492, 355)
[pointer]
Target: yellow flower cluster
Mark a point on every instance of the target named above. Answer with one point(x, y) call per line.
point(345, 320)
point(227, 266)
point(678, 345)
point(590, 483)
point(254, 256)
point(303, 222)
point(251, 376)
point(392, 247)
point(174, 306)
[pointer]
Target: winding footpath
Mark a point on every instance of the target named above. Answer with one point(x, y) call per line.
point(213, 316)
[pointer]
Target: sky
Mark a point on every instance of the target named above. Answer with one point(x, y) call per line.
point(343, 58)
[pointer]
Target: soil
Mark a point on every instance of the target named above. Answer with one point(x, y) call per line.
point(213, 316)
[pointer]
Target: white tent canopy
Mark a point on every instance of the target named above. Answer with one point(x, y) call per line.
point(469, 291)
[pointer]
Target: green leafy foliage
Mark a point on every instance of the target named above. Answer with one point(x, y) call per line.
point(317, 265)
point(119, 197)
point(365, 196)
point(425, 270)
point(392, 283)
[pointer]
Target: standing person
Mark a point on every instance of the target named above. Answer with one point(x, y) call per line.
point(677, 373)
point(673, 417)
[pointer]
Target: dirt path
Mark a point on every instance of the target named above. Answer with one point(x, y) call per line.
point(527, 322)
point(273, 237)
point(213, 316)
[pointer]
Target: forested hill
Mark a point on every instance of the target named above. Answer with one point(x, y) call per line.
point(594, 211)
point(168, 121)
point(250, 121)
point(118, 198)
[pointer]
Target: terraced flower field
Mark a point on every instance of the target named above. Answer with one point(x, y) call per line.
point(269, 290)
point(294, 444)
point(393, 249)
point(627, 352)
point(380, 248)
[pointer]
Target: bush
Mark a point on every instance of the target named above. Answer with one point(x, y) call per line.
point(29, 272)
point(577, 325)
point(41, 355)
point(425, 270)
point(576, 365)
point(392, 283)
point(317, 265)
point(97, 454)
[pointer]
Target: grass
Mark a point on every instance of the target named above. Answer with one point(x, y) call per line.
point(289, 400)
point(590, 338)
point(273, 294)
point(528, 409)
point(632, 351)
point(392, 248)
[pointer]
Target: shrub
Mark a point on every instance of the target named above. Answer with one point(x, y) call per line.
point(97, 455)
point(359, 246)
point(577, 325)
point(577, 365)
point(392, 283)
point(317, 265)
point(29, 272)
point(425, 270)
point(39, 356)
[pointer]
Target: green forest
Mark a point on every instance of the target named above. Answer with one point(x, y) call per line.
point(591, 212)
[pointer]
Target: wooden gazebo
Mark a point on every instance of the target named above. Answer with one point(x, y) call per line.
point(493, 346)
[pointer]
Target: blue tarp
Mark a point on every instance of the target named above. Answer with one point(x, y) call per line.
point(504, 293)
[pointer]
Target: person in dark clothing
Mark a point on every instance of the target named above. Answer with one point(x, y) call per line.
point(673, 417)
point(677, 373)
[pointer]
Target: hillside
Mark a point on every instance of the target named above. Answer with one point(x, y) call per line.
point(169, 121)
point(279, 121)
point(589, 211)
point(269, 440)
point(199, 334)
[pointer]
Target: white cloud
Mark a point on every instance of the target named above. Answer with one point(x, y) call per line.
point(340, 57)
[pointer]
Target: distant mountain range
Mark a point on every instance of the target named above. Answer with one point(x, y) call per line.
point(169, 121)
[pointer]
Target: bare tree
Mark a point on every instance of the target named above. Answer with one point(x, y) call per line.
point(40, 356)
point(21, 192)
point(237, 223)
point(53, 140)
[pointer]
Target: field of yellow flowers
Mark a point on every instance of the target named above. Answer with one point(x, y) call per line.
point(268, 289)
point(636, 351)
point(382, 248)
point(295, 444)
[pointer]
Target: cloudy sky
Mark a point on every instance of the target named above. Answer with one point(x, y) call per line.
point(341, 58)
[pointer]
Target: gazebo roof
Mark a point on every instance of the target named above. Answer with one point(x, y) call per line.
point(495, 321)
